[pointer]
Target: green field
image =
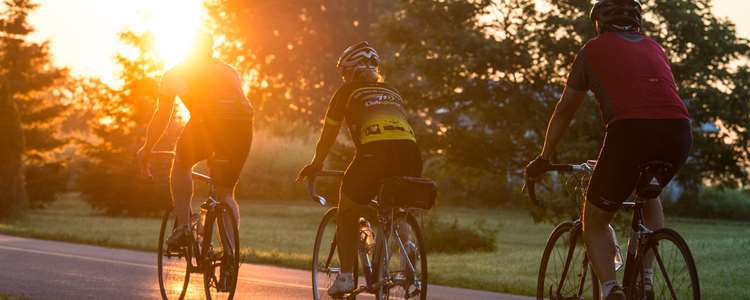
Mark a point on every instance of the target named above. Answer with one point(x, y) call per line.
point(282, 234)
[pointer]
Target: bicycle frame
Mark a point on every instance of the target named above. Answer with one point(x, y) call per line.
point(202, 247)
point(388, 220)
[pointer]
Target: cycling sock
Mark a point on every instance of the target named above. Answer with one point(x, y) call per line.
point(607, 287)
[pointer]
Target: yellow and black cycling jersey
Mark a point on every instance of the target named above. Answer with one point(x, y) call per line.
point(373, 112)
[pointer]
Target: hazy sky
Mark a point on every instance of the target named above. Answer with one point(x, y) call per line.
point(83, 37)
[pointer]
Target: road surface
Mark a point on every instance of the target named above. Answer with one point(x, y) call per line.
point(42, 270)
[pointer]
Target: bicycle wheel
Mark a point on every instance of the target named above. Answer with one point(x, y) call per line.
point(556, 281)
point(325, 260)
point(675, 275)
point(404, 271)
point(220, 269)
point(173, 265)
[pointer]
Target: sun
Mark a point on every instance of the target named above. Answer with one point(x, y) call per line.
point(174, 24)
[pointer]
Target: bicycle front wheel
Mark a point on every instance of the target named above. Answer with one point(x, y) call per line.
point(565, 272)
point(404, 268)
point(173, 265)
point(325, 260)
point(675, 275)
point(221, 254)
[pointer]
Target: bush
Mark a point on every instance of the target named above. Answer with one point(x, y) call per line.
point(449, 237)
point(712, 203)
point(276, 157)
point(44, 182)
point(114, 186)
point(467, 186)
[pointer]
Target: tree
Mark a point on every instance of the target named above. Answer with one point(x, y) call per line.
point(487, 75)
point(110, 181)
point(26, 75)
point(287, 50)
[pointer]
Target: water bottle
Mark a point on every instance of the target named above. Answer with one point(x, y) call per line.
point(366, 234)
point(617, 255)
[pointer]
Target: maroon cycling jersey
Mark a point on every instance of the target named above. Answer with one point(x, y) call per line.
point(630, 76)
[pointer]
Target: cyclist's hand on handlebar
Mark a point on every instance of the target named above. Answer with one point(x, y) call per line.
point(308, 170)
point(537, 168)
point(142, 157)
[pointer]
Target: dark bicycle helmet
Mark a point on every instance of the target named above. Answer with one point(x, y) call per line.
point(617, 15)
point(355, 54)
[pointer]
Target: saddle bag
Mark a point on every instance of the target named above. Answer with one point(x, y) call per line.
point(408, 192)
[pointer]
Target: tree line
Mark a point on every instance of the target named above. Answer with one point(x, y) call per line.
point(481, 79)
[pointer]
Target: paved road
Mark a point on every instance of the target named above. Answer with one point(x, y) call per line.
point(55, 270)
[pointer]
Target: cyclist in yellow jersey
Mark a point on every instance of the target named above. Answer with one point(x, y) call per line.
point(219, 130)
point(385, 143)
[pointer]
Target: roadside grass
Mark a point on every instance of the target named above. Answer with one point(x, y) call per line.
point(282, 234)
point(8, 297)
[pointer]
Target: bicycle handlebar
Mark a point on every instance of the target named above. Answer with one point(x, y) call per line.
point(311, 185)
point(530, 183)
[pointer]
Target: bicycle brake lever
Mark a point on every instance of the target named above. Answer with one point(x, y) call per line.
point(313, 194)
point(528, 188)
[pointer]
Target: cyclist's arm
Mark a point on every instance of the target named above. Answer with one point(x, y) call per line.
point(572, 97)
point(333, 119)
point(564, 112)
point(160, 120)
point(325, 142)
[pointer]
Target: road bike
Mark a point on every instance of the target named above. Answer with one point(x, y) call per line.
point(565, 272)
point(390, 250)
point(213, 251)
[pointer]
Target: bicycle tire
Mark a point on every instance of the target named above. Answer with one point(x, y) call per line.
point(319, 289)
point(210, 280)
point(169, 268)
point(556, 241)
point(664, 278)
point(401, 283)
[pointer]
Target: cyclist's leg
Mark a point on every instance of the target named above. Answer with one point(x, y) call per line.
point(613, 180)
point(232, 145)
point(674, 139)
point(359, 186)
point(189, 151)
point(346, 231)
point(407, 161)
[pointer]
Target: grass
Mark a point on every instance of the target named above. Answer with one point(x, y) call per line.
point(282, 234)
point(8, 297)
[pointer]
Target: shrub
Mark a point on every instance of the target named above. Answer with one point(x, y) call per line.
point(712, 203)
point(450, 237)
point(44, 182)
point(276, 157)
point(467, 186)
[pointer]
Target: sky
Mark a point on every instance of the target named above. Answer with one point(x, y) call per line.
point(83, 33)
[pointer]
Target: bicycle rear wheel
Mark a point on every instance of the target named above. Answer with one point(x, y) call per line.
point(221, 254)
point(675, 275)
point(565, 272)
point(404, 274)
point(173, 265)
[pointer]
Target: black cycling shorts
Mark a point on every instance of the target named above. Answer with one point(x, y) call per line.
point(629, 144)
point(225, 144)
point(376, 161)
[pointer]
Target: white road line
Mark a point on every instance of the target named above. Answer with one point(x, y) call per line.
point(81, 257)
point(118, 262)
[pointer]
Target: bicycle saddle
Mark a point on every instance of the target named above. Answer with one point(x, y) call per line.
point(653, 177)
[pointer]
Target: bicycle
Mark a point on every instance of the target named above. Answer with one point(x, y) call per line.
point(676, 277)
point(392, 255)
point(204, 254)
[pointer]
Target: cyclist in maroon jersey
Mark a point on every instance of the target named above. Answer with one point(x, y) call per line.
point(645, 120)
